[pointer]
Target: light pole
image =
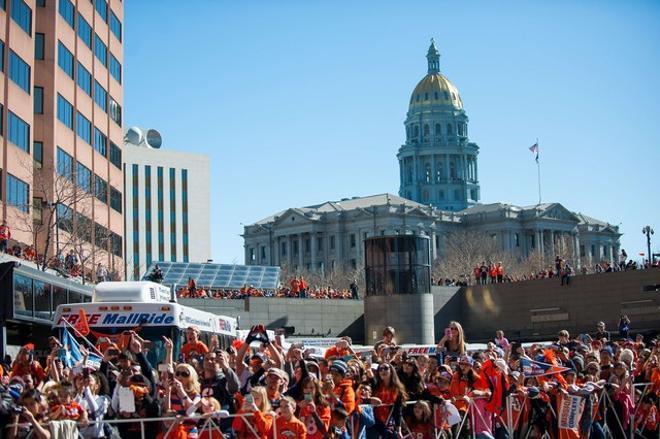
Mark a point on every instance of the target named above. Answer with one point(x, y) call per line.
point(648, 231)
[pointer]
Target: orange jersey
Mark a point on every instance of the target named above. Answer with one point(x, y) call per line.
point(291, 429)
point(199, 347)
point(335, 352)
point(258, 421)
point(307, 418)
point(388, 397)
point(344, 391)
point(422, 431)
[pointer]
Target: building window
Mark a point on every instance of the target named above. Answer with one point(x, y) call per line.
point(332, 242)
point(100, 50)
point(294, 248)
point(427, 173)
point(115, 111)
point(83, 128)
point(64, 111)
point(101, 189)
point(84, 31)
point(450, 130)
point(100, 96)
point(115, 25)
point(22, 15)
point(84, 79)
point(425, 196)
point(184, 216)
point(37, 210)
point(65, 59)
point(115, 156)
point(582, 251)
point(38, 100)
point(19, 132)
point(319, 244)
point(39, 43)
point(173, 212)
point(147, 211)
point(308, 245)
point(427, 130)
point(441, 194)
point(116, 200)
point(352, 240)
point(438, 129)
point(102, 9)
point(67, 11)
point(18, 193)
point(115, 68)
point(593, 250)
point(2, 56)
point(38, 154)
point(160, 199)
point(100, 142)
point(64, 164)
point(84, 177)
point(19, 71)
point(353, 264)
point(283, 249)
point(117, 244)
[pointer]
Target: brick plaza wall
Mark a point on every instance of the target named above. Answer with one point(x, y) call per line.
point(539, 309)
point(325, 317)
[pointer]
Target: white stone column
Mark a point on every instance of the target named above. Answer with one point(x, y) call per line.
point(553, 253)
point(301, 252)
point(289, 251)
point(313, 249)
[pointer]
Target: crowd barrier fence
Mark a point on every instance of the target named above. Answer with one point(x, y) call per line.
point(516, 405)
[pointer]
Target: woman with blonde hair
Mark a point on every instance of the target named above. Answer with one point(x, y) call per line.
point(452, 342)
point(256, 419)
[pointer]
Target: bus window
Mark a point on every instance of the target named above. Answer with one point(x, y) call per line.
point(22, 295)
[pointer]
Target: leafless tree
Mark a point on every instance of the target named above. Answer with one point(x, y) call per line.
point(61, 208)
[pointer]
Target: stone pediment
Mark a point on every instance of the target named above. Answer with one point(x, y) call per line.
point(558, 212)
point(293, 217)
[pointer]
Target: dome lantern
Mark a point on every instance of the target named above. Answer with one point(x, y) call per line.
point(433, 57)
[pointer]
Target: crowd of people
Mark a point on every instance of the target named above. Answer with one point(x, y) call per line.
point(582, 386)
point(297, 288)
point(68, 265)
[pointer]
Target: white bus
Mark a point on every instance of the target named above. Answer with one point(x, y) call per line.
point(148, 309)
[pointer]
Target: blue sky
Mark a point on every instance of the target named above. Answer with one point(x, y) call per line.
point(300, 102)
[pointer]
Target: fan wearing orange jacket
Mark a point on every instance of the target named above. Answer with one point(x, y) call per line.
point(287, 426)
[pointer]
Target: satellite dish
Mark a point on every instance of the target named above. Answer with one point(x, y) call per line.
point(134, 135)
point(154, 139)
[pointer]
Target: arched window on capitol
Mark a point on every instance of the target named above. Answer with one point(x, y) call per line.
point(427, 130)
point(438, 129)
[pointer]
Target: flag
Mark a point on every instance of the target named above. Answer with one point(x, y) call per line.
point(535, 150)
point(72, 348)
point(82, 326)
point(570, 413)
point(533, 368)
point(93, 361)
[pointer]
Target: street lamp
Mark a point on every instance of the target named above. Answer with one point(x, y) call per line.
point(648, 231)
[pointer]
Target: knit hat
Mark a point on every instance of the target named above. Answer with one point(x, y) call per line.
point(340, 367)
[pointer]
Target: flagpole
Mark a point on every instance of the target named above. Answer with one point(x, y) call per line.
point(89, 343)
point(538, 167)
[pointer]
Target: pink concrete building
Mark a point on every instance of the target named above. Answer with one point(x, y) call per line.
point(61, 129)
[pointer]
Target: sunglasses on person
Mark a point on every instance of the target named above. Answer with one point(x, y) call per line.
point(182, 373)
point(384, 368)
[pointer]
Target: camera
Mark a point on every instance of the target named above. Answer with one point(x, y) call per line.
point(18, 410)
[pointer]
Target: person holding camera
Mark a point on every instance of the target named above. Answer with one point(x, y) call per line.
point(33, 408)
point(254, 417)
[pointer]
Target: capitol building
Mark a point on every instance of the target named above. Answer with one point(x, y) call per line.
point(438, 195)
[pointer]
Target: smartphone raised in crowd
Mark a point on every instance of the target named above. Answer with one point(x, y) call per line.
point(249, 399)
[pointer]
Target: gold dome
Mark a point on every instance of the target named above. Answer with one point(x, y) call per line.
point(435, 89)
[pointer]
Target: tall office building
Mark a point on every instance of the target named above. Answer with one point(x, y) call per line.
point(167, 204)
point(61, 127)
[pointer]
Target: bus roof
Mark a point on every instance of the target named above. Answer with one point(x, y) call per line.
point(133, 292)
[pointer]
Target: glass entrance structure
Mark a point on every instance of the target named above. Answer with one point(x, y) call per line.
point(398, 264)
